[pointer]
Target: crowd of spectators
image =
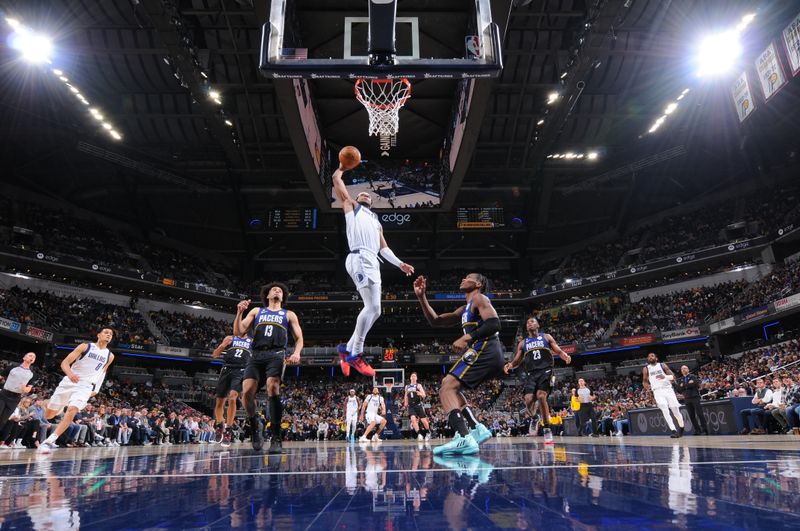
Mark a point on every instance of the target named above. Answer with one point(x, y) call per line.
point(31, 226)
point(122, 414)
point(190, 331)
point(697, 306)
point(73, 315)
point(580, 321)
point(761, 213)
point(142, 414)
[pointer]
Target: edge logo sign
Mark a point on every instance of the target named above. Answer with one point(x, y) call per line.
point(396, 219)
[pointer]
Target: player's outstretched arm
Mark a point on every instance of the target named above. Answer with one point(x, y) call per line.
point(341, 190)
point(294, 324)
point(517, 358)
point(242, 324)
point(390, 257)
point(222, 346)
point(555, 348)
point(446, 319)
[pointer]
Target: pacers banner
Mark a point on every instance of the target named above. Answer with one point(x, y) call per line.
point(770, 73)
point(742, 97)
point(791, 39)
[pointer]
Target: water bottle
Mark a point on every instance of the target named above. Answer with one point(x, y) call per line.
point(548, 436)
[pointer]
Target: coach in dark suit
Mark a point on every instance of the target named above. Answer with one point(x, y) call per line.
point(688, 386)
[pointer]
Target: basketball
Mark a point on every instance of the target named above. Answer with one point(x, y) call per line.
point(349, 157)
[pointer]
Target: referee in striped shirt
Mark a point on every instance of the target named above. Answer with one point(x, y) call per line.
point(16, 385)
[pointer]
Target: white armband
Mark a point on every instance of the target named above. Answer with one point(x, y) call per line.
point(390, 257)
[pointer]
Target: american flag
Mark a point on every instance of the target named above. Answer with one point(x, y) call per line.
point(294, 53)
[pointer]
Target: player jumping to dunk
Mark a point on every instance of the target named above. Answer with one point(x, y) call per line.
point(481, 359)
point(365, 241)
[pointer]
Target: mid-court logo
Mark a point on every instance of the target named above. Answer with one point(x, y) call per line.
point(396, 219)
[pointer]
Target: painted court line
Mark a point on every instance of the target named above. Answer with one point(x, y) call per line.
point(337, 472)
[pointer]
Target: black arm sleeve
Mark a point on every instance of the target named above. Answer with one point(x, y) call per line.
point(489, 328)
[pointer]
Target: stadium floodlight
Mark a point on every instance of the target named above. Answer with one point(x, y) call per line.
point(746, 20)
point(718, 53)
point(115, 135)
point(228, 123)
point(14, 23)
point(540, 122)
point(592, 155)
point(552, 97)
point(33, 47)
point(671, 108)
point(107, 126)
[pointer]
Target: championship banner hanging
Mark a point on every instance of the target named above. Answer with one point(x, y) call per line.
point(770, 73)
point(791, 39)
point(742, 97)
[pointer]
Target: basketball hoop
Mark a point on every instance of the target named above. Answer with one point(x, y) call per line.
point(383, 99)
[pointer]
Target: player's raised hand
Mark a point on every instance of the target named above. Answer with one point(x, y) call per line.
point(243, 305)
point(420, 285)
point(408, 269)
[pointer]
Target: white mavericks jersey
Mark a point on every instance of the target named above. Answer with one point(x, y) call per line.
point(374, 404)
point(352, 406)
point(89, 366)
point(363, 230)
point(656, 383)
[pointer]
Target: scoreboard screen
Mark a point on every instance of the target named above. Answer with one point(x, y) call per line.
point(292, 219)
point(480, 218)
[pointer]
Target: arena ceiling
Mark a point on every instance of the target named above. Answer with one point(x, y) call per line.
point(182, 170)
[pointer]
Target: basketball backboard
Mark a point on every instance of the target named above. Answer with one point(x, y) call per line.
point(421, 43)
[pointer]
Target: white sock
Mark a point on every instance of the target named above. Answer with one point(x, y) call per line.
point(678, 416)
point(371, 295)
point(668, 418)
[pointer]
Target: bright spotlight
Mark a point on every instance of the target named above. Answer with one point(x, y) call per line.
point(553, 96)
point(228, 123)
point(592, 155)
point(540, 122)
point(107, 126)
point(718, 53)
point(115, 135)
point(33, 48)
point(670, 108)
point(14, 23)
point(213, 94)
point(58, 72)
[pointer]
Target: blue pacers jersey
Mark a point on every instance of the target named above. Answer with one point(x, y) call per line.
point(537, 353)
point(238, 354)
point(270, 329)
point(471, 321)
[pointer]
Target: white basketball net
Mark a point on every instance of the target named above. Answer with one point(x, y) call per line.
point(383, 99)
